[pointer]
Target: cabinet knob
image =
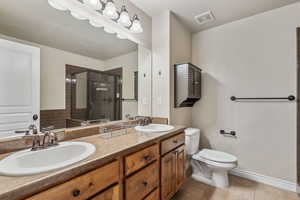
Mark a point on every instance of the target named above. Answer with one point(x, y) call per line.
point(147, 157)
point(175, 141)
point(145, 183)
point(76, 193)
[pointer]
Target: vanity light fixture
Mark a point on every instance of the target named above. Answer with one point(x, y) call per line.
point(136, 26)
point(110, 10)
point(102, 13)
point(124, 18)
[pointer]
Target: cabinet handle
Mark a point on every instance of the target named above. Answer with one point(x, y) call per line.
point(145, 183)
point(76, 193)
point(175, 141)
point(147, 157)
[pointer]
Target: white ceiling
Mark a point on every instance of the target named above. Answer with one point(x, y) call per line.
point(36, 21)
point(224, 10)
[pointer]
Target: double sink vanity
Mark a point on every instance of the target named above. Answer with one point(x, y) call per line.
point(148, 162)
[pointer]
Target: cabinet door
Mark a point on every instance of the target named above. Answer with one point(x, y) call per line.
point(112, 193)
point(142, 183)
point(83, 187)
point(180, 167)
point(168, 173)
point(197, 84)
point(153, 196)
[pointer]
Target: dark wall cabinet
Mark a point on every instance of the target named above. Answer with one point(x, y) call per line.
point(187, 84)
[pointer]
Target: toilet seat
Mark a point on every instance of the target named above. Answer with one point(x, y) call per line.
point(215, 158)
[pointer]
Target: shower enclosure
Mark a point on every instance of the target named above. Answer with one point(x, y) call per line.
point(95, 96)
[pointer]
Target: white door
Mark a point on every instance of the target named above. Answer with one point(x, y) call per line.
point(19, 86)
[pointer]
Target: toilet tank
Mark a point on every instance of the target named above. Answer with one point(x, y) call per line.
point(192, 140)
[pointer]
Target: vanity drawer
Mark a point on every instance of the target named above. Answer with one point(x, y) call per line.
point(112, 193)
point(84, 186)
point(142, 183)
point(140, 159)
point(153, 196)
point(171, 143)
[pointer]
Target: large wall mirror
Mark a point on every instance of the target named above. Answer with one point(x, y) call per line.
point(63, 70)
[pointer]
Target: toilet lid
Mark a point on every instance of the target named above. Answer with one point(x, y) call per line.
point(216, 156)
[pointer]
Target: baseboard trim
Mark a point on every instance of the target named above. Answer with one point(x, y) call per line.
point(276, 182)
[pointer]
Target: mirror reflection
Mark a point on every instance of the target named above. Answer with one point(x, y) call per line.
point(69, 73)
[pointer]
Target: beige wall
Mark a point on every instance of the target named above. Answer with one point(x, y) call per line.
point(161, 64)
point(53, 63)
point(129, 65)
point(145, 81)
point(171, 44)
point(253, 57)
point(181, 52)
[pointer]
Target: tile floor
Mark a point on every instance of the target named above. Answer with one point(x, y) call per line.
point(240, 189)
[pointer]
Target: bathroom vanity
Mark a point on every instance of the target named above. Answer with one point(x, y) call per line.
point(135, 166)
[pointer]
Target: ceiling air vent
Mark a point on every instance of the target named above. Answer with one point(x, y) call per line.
point(205, 17)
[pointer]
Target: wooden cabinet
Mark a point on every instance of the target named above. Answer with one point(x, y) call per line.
point(85, 186)
point(168, 173)
point(187, 79)
point(172, 143)
point(112, 193)
point(172, 172)
point(153, 196)
point(155, 172)
point(141, 158)
point(142, 183)
point(180, 166)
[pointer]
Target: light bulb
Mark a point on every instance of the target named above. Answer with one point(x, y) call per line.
point(136, 26)
point(95, 24)
point(110, 10)
point(78, 15)
point(108, 30)
point(57, 5)
point(124, 19)
point(94, 4)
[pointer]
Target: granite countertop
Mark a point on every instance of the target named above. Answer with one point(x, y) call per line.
point(16, 188)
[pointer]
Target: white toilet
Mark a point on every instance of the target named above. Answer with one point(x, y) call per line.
point(209, 166)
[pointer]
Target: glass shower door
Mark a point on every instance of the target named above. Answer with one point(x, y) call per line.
point(102, 96)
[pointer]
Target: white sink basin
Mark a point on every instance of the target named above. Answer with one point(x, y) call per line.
point(154, 128)
point(29, 162)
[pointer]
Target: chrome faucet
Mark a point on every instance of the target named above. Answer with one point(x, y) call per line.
point(49, 138)
point(46, 139)
point(143, 121)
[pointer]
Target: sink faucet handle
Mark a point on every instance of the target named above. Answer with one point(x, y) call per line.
point(32, 129)
point(53, 138)
point(36, 142)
